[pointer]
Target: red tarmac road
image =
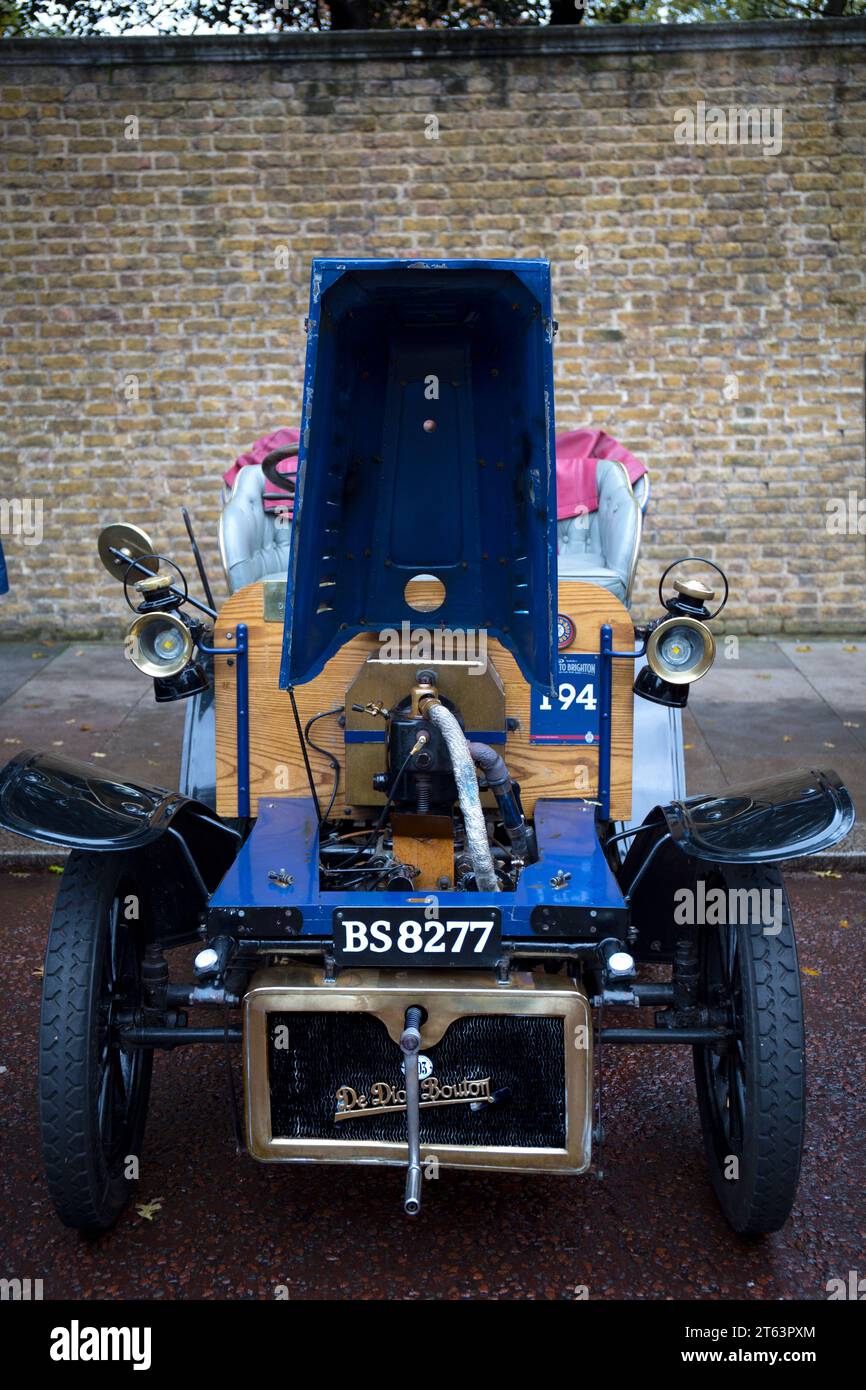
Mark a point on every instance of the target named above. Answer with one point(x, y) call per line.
point(232, 1228)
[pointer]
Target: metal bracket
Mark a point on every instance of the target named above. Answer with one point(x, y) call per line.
point(242, 689)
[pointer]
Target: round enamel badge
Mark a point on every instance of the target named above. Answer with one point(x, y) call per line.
point(425, 1067)
point(564, 631)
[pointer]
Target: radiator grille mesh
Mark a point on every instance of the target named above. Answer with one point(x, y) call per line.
point(523, 1056)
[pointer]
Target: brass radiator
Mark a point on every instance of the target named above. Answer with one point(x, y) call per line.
point(506, 1071)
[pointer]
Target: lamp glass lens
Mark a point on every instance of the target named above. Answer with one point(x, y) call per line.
point(168, 645)
point(680, 648)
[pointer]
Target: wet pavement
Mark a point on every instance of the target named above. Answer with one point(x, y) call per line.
point(766, 705)
point(230, 1228)
point(83, 700)
point(769, 705)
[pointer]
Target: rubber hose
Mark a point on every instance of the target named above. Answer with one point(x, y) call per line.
point(499, 782)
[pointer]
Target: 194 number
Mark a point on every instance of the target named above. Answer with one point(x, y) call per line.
point(568, 696)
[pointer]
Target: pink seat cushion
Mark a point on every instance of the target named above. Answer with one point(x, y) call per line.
point(577, 455)
point(280, 439)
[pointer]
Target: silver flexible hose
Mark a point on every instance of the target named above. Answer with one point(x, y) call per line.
point(467, 791)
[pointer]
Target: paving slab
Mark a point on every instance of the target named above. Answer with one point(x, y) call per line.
point(21, 661)
point(836, 672)
point(703, 770)
point(762, 713)
point(780, 705)
point(87, 702)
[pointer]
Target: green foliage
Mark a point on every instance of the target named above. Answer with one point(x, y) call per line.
point(707, 11)
point(81, 17)
point(14, 23)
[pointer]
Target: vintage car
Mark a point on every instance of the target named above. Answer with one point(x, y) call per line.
point(426, 839)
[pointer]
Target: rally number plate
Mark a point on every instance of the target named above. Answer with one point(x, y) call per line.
point(397, 936)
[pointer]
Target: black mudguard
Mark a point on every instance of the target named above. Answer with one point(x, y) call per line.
point(760, 823)
point(785, 817)
point(185, 850)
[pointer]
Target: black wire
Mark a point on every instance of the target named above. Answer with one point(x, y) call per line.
point(199, 562)
point(624, 834)
point(326, 753)
point(384, 812)
point(353, 883)
point(303, 742)
point(645, 865)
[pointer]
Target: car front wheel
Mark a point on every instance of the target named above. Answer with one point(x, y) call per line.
point(751, 1088)
point(93, 1091)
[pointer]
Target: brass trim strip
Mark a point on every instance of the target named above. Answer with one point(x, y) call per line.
point(360, 1114)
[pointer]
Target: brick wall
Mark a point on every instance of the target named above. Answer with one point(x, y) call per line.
point(162, 201)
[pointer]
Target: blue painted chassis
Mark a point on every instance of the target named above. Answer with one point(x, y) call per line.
point(285, 839)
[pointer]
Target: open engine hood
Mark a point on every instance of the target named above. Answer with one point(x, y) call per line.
point(427, 448)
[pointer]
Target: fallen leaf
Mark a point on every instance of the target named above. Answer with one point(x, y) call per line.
point(39, 972)
point(844, 922)
point(850, 648)
point(38, 656)
point(97, 755)
point(806, 971)
point(86, 728)
point(826, 873)
point(829, 745)
point(688, 745)
point(786, 738)
point(70, 721)
point(148, 1210)
point(11, 740)
point(803, 649)
point(57, 743)
point(762, 676)
point(55, 868)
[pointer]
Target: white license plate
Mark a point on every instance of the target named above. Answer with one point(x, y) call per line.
point(397, 936)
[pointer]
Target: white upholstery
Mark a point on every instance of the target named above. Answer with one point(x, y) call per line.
point(601, 547)
point(642, 491)
point(254, 544)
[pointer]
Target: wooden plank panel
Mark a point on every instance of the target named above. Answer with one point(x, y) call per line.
point(276, 762)
point(547, 770)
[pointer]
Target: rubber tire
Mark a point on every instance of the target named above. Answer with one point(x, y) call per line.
point(760, 1200)
point(88, 1191)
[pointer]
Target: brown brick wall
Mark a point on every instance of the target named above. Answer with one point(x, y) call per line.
point(710, 298)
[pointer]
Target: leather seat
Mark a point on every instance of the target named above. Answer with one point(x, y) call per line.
point(254, 544)
point(601, 547)
point(598, 548)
